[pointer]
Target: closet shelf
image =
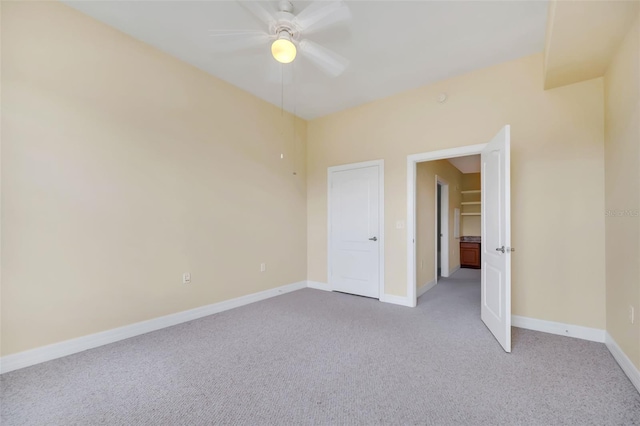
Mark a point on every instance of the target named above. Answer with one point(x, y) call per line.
point(471, 191)
point(466, 203)
point(470, 214)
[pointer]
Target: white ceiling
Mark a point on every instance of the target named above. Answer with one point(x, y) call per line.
point(392, 46)
point(467, 164)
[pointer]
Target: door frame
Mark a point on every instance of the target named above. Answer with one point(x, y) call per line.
point(444, 227)
point(412, 161)
point(354, 166)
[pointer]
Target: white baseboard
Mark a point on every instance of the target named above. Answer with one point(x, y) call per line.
point(387, 298)
point(454, 270)
point(318, 285)
point(623, 360)
point(428, 286)
point(570, 330)
point(585, 333)
point(68, 347)
point(397, 300)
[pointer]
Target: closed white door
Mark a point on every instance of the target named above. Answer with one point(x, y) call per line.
point(496, 238)
point(354, 230)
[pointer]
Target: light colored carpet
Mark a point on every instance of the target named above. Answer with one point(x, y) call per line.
point(314, 357)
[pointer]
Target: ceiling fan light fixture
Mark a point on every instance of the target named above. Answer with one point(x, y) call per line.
point(283, 49)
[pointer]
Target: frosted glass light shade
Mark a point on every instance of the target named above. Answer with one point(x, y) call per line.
point(283, 49)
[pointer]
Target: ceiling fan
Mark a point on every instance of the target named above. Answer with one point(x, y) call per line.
point(286, 32)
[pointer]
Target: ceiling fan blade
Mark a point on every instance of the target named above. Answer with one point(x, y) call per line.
point(231, 41)
point(322, 14)
point(261, 10)
point(327, 60)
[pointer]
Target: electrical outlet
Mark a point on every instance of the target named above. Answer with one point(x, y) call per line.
point(422, 264)
point(631, 314)
point(186, 278)
point(263, 267)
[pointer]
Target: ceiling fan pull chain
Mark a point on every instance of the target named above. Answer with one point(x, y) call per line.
point(295, 102)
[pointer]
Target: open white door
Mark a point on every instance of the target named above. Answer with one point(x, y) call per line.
point(496, 237)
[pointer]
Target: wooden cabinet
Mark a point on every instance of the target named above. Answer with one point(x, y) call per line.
point(470, 255)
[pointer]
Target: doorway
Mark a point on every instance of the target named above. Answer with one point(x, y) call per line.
point(356, 228)
point(495, 300)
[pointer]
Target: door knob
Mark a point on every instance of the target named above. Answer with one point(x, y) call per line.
point(373, 239)
point(500, 249)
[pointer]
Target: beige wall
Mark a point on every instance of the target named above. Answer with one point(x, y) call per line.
point(426, 217)
point(122, 168)
point(557, 177)
point(622, 193)
point(582, 37)
point(470, 225)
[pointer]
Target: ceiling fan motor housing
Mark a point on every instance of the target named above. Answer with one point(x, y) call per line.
point(285, 20)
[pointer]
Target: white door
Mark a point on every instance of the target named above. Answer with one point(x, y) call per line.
point(354, 230)
point(496, 238)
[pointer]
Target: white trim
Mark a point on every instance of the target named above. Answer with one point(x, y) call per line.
point(396, 300)
point(385, 298)
point(352, 166)
point(456, 223)
point(381, 223)
point(435, 248)
point(411, 204)
point(444, 227)
point(623, 360)
point(428, 286)
point(318, 285)
point(561, 329)
point(68, 347)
